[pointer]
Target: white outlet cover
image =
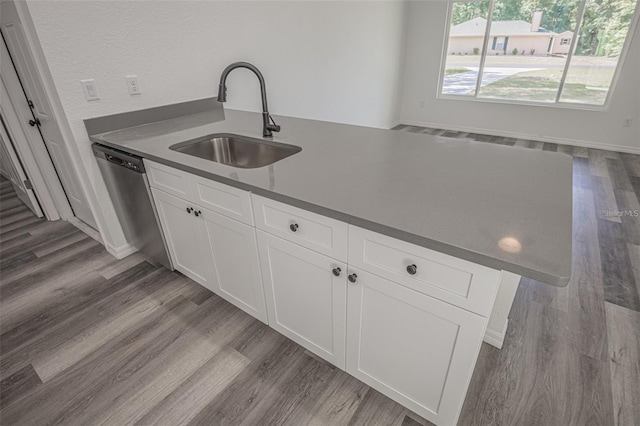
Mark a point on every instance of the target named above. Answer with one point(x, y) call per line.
point(132, 84)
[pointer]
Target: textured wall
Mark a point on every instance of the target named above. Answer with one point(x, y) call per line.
point(427, 21)
point(333, 61)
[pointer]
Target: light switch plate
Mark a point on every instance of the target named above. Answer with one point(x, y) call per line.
point(90, 90)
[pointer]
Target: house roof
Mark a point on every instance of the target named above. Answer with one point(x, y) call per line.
point(476, 27)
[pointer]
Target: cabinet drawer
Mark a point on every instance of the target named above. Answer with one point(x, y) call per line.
point(456, 281)
point(169, 179)
point(319, 233)
point(223, 199)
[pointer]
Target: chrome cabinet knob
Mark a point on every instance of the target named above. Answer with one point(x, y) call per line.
point(293, 227)
point(412, 269)
point(336, 271)
point(189, 210)
point(353, 278)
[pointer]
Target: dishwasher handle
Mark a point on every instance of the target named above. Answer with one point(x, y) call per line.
point(113, 159)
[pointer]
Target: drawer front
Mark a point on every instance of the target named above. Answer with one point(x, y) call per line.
point(456, 281)
point(223, 199)
point(169, 180)
point(316, 232)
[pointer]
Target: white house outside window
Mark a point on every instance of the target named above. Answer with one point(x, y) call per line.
point(543, 51)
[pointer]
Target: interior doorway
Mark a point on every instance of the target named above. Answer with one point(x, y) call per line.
point(35, 119)
point(12, 169)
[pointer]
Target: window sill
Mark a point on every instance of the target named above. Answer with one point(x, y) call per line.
point(559, 105)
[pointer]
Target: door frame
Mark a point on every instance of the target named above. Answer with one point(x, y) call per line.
point(68, 139)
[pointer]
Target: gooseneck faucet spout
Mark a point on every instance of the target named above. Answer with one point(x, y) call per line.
point(268, 125)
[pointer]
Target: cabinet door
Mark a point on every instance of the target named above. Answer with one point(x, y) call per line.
point(305, 300)
point(413, 348)
point(183, 232)
point(233, 262)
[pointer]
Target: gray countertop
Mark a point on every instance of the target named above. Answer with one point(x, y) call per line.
point(456, 197)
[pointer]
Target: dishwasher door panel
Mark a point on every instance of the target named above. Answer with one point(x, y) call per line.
point(131, 198)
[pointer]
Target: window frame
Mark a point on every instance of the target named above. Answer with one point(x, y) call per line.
point(558, 103)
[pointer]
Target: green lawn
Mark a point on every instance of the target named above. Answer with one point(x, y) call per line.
point(507, 60)
point(450, 71)
point(588, 86)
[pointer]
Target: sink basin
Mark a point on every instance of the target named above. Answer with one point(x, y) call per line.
point(236, 151)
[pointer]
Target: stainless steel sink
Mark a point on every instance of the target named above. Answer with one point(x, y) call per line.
point(236, 151)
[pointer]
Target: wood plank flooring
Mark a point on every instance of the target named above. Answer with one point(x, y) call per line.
point(86, 339)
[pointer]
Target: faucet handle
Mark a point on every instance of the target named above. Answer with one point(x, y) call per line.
point(273, 126)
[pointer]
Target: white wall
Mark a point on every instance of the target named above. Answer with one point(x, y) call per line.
point(425, 32)
point(333, 61)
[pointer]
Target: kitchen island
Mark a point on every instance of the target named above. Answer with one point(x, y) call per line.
point(383, 252)
point(456, 197)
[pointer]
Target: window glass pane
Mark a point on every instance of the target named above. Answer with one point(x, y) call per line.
point(464, 48)
point(528, 47)
point(604, 28)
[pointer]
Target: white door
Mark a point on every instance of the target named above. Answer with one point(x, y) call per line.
point(11, 168)
point(184, 234)
point(50, 133)
point(233, 262)
point(411, 347)
point(306, 301)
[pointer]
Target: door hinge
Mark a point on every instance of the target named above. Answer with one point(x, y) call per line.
point(30, 103)
point(27, 184)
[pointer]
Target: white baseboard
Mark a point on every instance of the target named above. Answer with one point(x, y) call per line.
point(392, 125)
point(495, 337)
point(85, 228)
point(117, 252)
point(551, 139)
point(122, 251)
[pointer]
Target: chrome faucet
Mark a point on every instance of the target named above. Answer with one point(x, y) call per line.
point(268, 125)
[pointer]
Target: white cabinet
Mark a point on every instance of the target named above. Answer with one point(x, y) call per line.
point(313, 231)
point(411, 347)
point(183, 232)
point(464, 284)
point(223, 199)
point(233, 263)
point(168, 179)
point(410, 326)
point(306, 296)
point(215, 196)
point(213, 250)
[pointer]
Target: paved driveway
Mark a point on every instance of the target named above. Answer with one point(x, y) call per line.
point(465, 82)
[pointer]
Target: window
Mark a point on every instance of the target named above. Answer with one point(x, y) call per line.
point(543, 51)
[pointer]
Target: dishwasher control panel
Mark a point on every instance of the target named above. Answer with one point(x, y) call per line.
point(124, 163)
point(119, 158)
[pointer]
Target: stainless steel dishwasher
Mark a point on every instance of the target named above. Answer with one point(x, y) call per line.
point(126, 181)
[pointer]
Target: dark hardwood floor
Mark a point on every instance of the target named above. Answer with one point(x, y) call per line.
point(86, 339)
